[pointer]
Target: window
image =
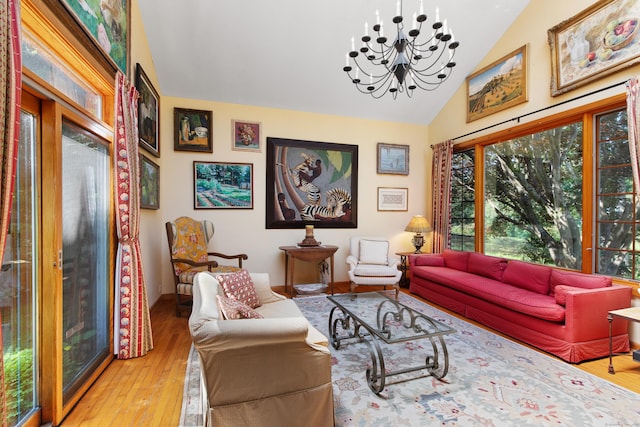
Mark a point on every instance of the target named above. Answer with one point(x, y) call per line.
point(558, 192)
point(617, 214)
point(463, 201)
point(533, 197)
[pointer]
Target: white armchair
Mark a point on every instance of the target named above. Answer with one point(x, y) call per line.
point(370, 264)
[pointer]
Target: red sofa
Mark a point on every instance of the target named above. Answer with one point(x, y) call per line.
point(558, 311)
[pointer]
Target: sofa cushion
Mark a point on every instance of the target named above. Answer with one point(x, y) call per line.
point(374, 252)
point(239, 286)
point(527, 276)
point(578, 280)
point(456, 259)
point(232, 309)
point(561, 293)
point(487, 266)
point(435, 260)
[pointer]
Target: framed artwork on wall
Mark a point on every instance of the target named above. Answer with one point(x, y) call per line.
point(107, 23)
point(393, 159)
point(149, 184)
point(393, 199)
point(311, 183)
point(498, 86)
point(192, 130)
point(245, 136)
point(148, 113)
point(598, 41)
point(221, 185)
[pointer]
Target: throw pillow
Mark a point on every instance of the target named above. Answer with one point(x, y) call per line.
point(232, 309)
point(239, 286)
point(561, 293)
point(374, 252)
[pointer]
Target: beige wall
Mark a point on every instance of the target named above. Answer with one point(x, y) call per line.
point(243, 230)
point(531, 29)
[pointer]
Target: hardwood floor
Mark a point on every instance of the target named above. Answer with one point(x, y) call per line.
point(147, 391)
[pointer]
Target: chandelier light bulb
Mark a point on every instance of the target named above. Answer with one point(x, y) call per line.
point(402, 63)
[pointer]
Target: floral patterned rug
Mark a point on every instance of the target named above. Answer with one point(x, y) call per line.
point(491, 381)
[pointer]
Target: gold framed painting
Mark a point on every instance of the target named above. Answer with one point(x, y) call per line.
point(498, 86)
point(598, 41)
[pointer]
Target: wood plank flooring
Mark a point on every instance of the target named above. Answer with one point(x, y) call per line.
point(147, 391)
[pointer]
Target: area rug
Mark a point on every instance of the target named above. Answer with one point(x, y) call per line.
point(492, 381)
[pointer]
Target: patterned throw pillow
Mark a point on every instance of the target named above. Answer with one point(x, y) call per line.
point(232, 309)
point(240, 287)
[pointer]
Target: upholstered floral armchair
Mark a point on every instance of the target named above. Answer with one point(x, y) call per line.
point(188, 240)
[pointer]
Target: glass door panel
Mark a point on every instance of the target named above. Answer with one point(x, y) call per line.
point(18, 280)
point(85, 248)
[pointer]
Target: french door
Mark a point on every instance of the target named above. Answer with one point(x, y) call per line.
point(55, 281)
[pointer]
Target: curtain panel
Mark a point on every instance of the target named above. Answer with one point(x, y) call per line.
point(132, 323)
point(10, 97)
point(441, 182)
point(633, 125)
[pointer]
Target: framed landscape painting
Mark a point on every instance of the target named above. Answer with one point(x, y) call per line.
point(221, 185)
point(148, 113)
point(311, 183)
point(498, 86)
point(107, 23)
point(596, 42)
point(192, 130)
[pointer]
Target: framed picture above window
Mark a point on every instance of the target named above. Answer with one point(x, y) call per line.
point(148, 113)
point(598, 41)
point(498, 86)
point(393, 199)
point(149, 184)
point(220, 185)
point(245, 136)
point(393, 159)
point(192, 130)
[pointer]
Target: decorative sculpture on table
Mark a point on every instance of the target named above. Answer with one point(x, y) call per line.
point(309, 240)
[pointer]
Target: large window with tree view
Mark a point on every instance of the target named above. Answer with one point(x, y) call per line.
point(540, 203)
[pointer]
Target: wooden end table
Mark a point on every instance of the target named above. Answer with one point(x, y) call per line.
point(307, 254)
point(633, 314)
point(404, 267)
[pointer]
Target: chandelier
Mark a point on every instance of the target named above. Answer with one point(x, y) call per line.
point(405, 64)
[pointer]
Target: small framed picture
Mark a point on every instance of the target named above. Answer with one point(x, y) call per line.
point(149, 184)
point(220, 185)
point(393, 199)
point(393, 159)
point(148, 113)
point(192, 130)
point(245, 136)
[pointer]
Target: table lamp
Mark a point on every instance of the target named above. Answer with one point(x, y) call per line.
point(418, 225)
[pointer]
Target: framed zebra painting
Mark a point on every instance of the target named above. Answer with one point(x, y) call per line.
point(311, 183)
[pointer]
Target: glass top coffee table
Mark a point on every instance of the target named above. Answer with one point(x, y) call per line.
point(377, 320)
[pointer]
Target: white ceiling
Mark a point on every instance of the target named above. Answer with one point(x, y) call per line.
point(289, 54)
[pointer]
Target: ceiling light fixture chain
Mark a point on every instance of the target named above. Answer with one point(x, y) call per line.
point(406, 63)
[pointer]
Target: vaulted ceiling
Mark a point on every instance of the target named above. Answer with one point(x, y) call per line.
point(289, 54)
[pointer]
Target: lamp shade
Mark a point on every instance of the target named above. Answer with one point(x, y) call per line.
point(418, 224)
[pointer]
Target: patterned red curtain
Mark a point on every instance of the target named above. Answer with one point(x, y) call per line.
point(633, 124)
point(132, 324)
point(10, 94)
point(441, 181)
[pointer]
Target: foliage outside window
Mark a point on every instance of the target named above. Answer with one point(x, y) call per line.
point(463, 201)
point(533, 197)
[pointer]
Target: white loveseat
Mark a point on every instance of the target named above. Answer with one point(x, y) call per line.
point(274, 371)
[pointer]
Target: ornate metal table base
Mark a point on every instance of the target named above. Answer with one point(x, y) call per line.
point(390, 312)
